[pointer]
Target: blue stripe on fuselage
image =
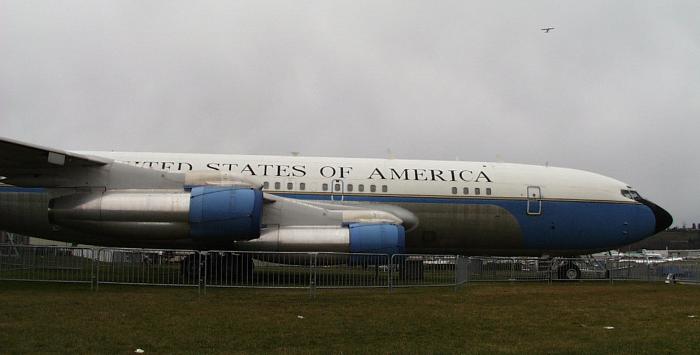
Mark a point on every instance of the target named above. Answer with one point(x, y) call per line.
point(22, 189)
point(563, 225)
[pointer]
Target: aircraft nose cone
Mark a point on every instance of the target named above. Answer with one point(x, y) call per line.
point(663, 218)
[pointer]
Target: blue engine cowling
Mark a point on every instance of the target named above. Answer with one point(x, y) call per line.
point(225, 213)
point(377, 238)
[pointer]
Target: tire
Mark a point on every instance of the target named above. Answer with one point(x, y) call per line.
point(569, 271)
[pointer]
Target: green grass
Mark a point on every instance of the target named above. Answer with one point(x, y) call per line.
point(484, 318)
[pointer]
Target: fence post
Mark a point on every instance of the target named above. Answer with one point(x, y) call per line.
point(312, 274)
point(97, 269)
point(388, 272)
point(512, 269)
point(391, 273)
point(552, 262)
point(93, 266)
point(467, 262)
point(201, 279)
point(456, 272)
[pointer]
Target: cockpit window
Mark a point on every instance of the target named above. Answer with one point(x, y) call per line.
point(631, 194)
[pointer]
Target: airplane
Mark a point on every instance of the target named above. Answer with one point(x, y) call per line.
point(295, 203)
point(547, 29)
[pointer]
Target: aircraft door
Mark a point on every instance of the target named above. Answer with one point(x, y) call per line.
point(337, 190)
point(534, 201)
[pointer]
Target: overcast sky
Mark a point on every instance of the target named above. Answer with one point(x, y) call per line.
point(614, 89)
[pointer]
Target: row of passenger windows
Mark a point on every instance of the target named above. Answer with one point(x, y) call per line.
point(361, 188)
point(351, 188)
point(465, 191)
point(290, 185)
point(325, 186)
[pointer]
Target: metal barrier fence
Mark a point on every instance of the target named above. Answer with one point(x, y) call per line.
point(411, 270)
point(39, 263)
point(508, 269)
point(162, 267)
point(310, 270)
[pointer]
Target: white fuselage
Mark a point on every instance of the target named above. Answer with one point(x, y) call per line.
point(390, 177)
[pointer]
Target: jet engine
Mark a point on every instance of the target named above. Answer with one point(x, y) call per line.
point(354, 238)
point(205, 213)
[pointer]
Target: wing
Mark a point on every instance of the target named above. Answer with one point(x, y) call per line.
point(19, 160)
point(29, 165)
point(19, 155)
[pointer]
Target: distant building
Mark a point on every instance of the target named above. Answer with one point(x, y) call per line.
point(673, 239)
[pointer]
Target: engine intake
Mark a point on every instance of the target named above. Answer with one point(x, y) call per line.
point(226, 213)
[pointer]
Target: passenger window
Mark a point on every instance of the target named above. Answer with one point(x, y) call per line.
point(488, 191)
point(324, 187)
point(302, 186)
point(454, 190)
point(337, 187)
point(277, 185)
point(361, 188)
point(465, 191)
point(290, 186)
point(385, 188)
point(266, 185)
point(373, 188)
point(477, 191)
point(349, 187)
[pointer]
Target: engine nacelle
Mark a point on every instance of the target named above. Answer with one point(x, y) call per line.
point(226, 213)
point(203, 214)
point(355, 238)
point(377, 238)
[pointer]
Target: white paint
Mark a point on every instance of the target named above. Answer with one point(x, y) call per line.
point(507, 180)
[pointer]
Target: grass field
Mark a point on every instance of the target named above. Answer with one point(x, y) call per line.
point(484, 318)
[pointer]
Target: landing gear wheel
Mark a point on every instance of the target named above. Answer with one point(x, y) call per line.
point(569, 271)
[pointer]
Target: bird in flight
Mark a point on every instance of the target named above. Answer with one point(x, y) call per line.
point(546, 30)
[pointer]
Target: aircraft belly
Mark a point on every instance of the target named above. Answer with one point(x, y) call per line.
point(458, 228)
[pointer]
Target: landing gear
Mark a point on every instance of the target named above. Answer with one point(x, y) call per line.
point(568, 271)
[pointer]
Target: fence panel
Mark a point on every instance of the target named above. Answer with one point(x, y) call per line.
point(344, 270)
point(630, 270)
point(259, 269)
point(46, 263)
point(461, 270)
point(312, 270)
point(160, 267)
point(409, 270)
point(509, 269)
point(577, 269)
point(686, 270)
